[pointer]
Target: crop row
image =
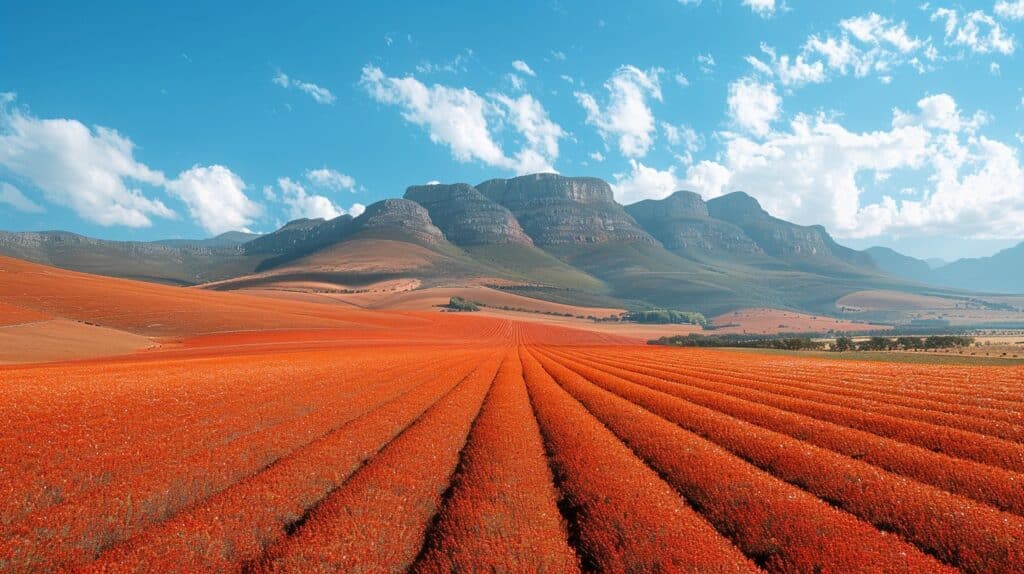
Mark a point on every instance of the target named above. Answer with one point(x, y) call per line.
point(780, 526)
point(376, 521)
point(955, 442)
point(973, 536)
point(995, 486)
point(235, 525)
point(75, 531)
point(625, 518)
point(999, 424)
point(502, 512)
point(886, 389)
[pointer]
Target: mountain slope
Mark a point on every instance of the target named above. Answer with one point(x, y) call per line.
point(802, 246)
point(559, 238)
point(1000, 273)
point(682, 224)
point(899, 265)
point(185, 264)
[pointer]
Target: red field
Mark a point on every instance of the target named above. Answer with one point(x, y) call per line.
point(430, 442)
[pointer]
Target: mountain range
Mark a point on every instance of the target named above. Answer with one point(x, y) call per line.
point(1000, 273)
point(547, 236)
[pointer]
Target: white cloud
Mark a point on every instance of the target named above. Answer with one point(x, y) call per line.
point(93, 171)
point(319, 94)
point(216, 198)
point(753, 106)
point(706, 62)
point(597, 156)
point(626, 116)
point(790, 71)
point(522, 67)
point(356, 210)
point(453, 66)
point(560, 56)
point(517, 82)
point(541, 134)
point(462, 120)
point(812, 173)
point(681, 79)
point(302, 204)
point(1010, 9)
point(763, 8)
point(13, 197)
point(454, 117)
point(864, 45)
point(690, 2)
point(976, 31)
point(940, 111)
point(643, 182)
point(684, 138)
point(873, 29)
point(331, 179)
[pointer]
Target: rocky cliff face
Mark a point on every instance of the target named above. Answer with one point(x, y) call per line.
point(781, 238)
point(557, 210)
point(466, 216)
point(681, 222)
point(398, 219)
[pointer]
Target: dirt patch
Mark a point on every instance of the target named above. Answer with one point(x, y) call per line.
point(61, 340)
point(767, 321)
point(879, 300)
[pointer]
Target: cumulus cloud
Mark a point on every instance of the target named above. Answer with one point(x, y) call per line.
point(753, 106)
point(522, 67)
point(93, 171)
point(215, 198)
point(1010, 9)
point(813, 173)
point(862, 46)
point(626, 117)
point(462, 120)
point(976, 31)
point(763, 8)
point(302, 204)
point(940, 111)
point(319, 94)
point(13, 197)
point(790, 71)
point(644, 182)
point(331, 179)
point(541, 135)
point(683, 139)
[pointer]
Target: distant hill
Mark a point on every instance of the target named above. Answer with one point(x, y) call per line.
point(177, 262)
point(899, 265)
point(547, 236)
point(1000, 273)
point(224, 240)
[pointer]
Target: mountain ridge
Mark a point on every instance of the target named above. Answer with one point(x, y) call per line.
point(546, 235)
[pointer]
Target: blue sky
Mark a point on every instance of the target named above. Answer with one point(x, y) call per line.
point(895, 123)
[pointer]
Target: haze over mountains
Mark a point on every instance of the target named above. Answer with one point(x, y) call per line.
point(546, 236)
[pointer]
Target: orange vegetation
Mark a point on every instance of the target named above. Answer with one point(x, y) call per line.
point(405, 441)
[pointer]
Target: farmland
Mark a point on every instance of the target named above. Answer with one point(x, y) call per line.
point(354, 440)
point(522, 450)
